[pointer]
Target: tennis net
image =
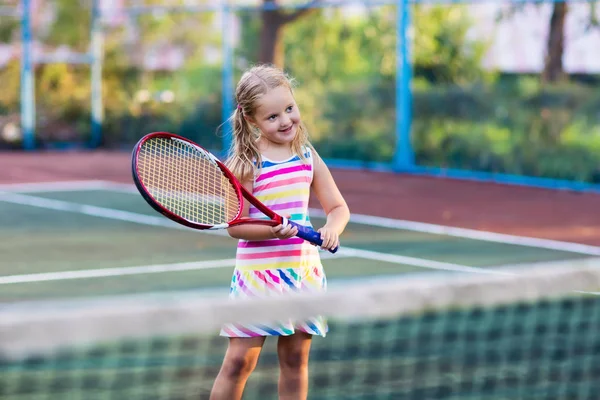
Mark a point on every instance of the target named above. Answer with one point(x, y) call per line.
point(513, 333)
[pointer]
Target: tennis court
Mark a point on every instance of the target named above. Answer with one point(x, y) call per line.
point(94, 238)
point(103, 298)
point(94, 246)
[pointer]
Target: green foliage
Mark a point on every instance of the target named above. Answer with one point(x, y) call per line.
point(341, 48)
point(463, 116)
point(63, 92)
point(246, 52)
point(444, 52)
point(357, 125)
point(9, 29)
point(347, 90)
point(71, 27)
point(9, 95)
point(189, 30)
point(508, 128)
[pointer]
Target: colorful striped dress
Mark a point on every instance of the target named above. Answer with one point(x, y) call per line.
point(277, 266)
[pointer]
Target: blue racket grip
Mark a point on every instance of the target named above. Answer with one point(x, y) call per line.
point(308, 234)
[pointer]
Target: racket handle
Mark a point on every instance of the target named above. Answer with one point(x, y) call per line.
point(309, 234)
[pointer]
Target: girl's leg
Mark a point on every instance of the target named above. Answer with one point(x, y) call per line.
point(293, 354)
point(239, 362)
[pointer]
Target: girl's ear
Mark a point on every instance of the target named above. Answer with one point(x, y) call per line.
point(249, 120)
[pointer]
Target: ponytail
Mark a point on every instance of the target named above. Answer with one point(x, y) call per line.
point(243, 152)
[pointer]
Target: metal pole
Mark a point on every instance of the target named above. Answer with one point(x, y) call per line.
point(97, 42)
point(404, 156)
point(27, 79)
point(227, 75)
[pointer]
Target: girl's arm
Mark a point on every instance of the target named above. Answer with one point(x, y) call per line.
point(332, 201)
point(259, 232)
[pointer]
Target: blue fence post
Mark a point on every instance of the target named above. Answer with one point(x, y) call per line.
point(227, 75)
point(404, 155)
point(97, 40)
point(27, 79)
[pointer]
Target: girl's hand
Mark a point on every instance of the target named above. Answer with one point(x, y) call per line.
point(331, 239)
point(284, 232)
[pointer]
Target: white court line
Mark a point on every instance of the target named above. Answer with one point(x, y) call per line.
point(105, 272)
point(214, 264)
point(123, 271)
point(470, 234)
point(399, 224)
point(163, 222)
point(65, 186)
point(108, 213)
point(227, 263)
point(355, 218)
point(94, 211)
point(416, 262)
point(584, 262)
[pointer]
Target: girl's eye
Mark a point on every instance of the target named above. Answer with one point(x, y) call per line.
point(272, 117)
point(289, 109)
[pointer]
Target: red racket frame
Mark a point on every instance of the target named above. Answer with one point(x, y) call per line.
point(304, 232)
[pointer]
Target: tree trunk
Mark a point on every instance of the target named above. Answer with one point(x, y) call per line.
point(553, 63)
point(270, 37)
point(271, 34)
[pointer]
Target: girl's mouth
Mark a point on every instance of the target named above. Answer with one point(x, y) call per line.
point(287, 130)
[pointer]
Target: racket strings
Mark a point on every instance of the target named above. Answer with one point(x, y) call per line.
point(185, 181)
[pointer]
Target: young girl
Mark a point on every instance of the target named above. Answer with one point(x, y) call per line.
point(272, 157)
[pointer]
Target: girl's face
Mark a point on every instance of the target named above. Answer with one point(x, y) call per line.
point(277, 116)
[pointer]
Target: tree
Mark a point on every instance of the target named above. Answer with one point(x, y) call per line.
point(555, 44)
point(271, 33)
point(555, 47)
point(444, 51)
point(71, 25)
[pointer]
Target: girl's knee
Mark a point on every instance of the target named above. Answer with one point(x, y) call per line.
point(293, 351)
point(236, 366)
point(293, 359)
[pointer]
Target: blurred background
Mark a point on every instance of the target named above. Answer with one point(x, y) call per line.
point(463, 88)
point(464, 135)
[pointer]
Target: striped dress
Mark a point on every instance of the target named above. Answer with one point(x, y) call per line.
point(279, 266)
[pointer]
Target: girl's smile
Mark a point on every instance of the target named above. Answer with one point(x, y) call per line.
point(288, 129)
point(277, 116)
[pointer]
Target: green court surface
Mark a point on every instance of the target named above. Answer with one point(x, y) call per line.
point(41, 239)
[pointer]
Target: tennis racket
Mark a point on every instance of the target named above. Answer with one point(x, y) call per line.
point(190, 186)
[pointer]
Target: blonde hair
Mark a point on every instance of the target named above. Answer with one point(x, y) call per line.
point(254, 84)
